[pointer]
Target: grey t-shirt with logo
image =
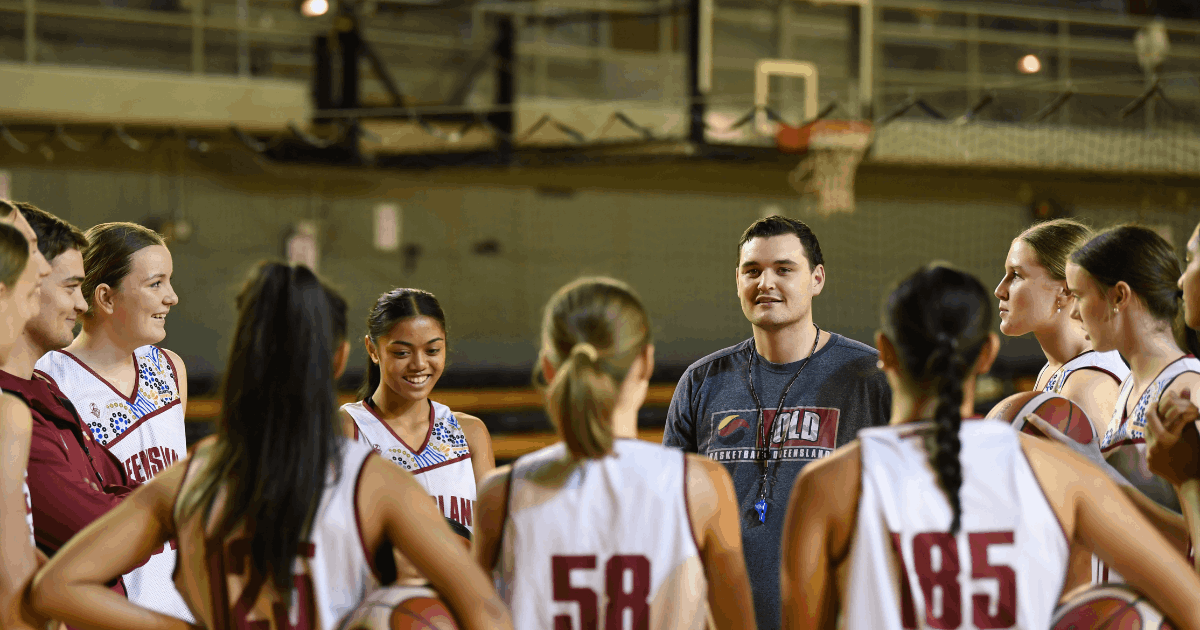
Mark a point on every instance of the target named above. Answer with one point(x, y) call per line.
point(713, 413)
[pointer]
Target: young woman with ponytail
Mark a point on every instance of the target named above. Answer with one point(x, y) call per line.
point(448, 452)
point(279, 515)
point(602, 525)
point(131, 393)
point(999, 506)
point(1124, 281)
point(1034, 299)
point(1173, 443)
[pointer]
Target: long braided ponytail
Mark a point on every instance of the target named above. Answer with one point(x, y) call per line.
point(938, 320)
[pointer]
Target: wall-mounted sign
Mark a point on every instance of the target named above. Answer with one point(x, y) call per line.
point(302, 245)
point(387, 227)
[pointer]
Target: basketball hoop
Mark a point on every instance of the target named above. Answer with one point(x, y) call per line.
point(831, 152)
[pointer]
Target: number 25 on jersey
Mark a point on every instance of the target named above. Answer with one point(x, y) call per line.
point(935, 564)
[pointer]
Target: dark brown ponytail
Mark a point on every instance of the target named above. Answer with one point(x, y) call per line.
point(938, 320)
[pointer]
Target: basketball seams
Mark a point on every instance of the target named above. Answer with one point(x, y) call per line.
point(1102, 606)
point(433, 604)
point(1050, 407)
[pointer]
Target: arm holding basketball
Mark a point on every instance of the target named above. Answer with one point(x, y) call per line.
point(713, 510)
point(71, 586)
point(1171, 525)
point(821, 515)
point(491, 509)
point(17, 561)
point(480, 443)
point(1128, 542)
point(1090, 451)
point(1173, 447)
point(393, 505)
point(1168, 523)
point(1172, 450)
point(1096, 394)
point(1103, 518)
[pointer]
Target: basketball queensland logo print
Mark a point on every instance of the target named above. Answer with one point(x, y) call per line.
point(802, 434)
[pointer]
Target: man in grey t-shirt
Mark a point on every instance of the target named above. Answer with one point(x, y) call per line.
point(787, 396)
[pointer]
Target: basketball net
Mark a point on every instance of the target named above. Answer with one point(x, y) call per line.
point(832, 150)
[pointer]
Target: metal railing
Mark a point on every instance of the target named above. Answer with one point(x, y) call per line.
point(942, 52)
point(1091, 54)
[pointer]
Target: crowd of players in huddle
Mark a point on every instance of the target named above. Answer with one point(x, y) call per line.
point(780, 497)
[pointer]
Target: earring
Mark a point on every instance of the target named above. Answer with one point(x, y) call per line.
point(879, 364)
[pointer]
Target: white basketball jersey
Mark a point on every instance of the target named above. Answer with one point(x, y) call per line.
point(332, 571)
point(1124, 446)
point(28, 509)
point(442, 464)
point(145, 432)
point(1109, 362)
point(601, 542)
point(1003, 569)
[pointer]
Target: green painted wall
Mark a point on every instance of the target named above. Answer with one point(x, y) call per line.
point(676, 248)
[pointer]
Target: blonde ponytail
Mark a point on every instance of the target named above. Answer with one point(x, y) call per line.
point(592, 331)
point(581, 399)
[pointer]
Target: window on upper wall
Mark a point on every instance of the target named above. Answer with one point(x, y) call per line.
point(641, 32)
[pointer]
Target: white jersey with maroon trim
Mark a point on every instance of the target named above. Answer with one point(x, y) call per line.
point(595, 542)
point(1004, 568)
point(1124, 446)
point(441, 464)
point(1109, 363)
point(28, 508)
point(145, 431)
point(332, 570)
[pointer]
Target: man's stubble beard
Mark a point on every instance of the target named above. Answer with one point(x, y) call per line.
point(43, 343)
point(765, 323)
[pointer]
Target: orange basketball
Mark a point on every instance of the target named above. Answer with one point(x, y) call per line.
point(422, 613)
point(400, 608)
point(1111, 607)
point(1060, 412)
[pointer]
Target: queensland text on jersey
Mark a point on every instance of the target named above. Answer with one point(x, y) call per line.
point(145, 431)
point(441, 464)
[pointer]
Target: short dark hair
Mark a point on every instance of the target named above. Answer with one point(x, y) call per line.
point(55, 236)
point(776, 225)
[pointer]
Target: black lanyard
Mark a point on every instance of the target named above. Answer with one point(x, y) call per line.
point(764, 431)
